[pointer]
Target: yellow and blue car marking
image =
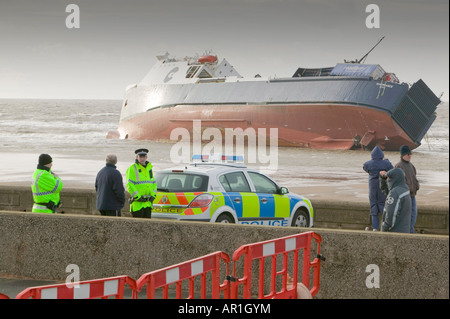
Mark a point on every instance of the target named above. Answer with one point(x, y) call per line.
point(246, 208)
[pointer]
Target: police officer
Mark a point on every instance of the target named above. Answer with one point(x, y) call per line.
point(45, 186)
point(141, 185)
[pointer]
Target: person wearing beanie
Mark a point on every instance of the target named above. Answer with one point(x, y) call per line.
point(109, 188)
point(45, 186)
point(45, 159)
point(411, 180)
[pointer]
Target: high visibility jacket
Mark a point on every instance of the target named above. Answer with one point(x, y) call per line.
point(46, 188)
point(140, 182)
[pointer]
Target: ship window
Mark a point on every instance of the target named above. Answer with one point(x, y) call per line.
point(191, 71)
point(204, 74)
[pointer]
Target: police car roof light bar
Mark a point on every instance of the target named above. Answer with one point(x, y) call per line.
point(200, 158)
point(218, 158)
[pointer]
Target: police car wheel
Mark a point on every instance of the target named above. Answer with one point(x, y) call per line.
point(224, 218)
point(301, 219)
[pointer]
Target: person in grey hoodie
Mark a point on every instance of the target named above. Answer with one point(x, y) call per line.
point(397, 209)
point(376, 197)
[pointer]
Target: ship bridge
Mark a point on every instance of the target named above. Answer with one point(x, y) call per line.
point(188, 70)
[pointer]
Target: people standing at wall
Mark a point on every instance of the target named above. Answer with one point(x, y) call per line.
point(397, 209)
point(46, 187)
point(109, 188)
point(376, 197)
point(411, 180)
point(141, 185)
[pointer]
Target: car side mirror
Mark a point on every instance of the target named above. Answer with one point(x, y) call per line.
point(283, 191)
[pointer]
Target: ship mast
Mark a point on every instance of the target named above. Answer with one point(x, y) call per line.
point(365, 56)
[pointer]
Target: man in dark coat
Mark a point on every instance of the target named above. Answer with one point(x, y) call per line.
point(376, 197)
point(397, 210)
point(109, 187)
point(411, 180)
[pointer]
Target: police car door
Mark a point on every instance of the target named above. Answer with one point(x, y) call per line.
point(274, 208)
point(239, 194)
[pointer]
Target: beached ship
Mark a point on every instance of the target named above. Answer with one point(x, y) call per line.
point(346, 106)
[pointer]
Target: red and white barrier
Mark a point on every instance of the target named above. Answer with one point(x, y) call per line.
point(90, 289)
point(188, 270)
point(200, 267)
point(271, 249)
point(3, 296)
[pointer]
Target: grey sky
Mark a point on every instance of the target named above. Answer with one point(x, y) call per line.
point(118, 40)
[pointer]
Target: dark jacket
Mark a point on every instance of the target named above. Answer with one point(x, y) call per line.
point(397, 209)
point(377, 164)
point(376, 197)
point(410, 176)
point(110, 190)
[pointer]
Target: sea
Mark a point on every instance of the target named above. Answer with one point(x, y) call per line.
point(74, 132)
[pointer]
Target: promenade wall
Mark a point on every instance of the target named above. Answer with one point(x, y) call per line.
point(41, 246)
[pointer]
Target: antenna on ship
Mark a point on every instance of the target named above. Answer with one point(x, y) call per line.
point(365, 56)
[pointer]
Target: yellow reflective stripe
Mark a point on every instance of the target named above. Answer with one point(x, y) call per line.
point(250, 205)
point(217, 202)
point(182, 199)
point(194, 211)
point(173, 199)
point(310, 207)
point(282, 206)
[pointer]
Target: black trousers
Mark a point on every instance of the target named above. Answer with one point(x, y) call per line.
point(145, 212)
point(110, 212)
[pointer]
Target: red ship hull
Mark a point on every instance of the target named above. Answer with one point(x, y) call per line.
point(318, 126)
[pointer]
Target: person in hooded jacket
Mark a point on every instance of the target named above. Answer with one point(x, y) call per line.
point(397, 209)
point(376, 197)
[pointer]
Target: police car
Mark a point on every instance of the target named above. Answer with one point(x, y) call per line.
point(227, 192)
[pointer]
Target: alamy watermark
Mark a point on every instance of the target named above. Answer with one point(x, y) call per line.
point(74, 277)
point(73, 19)
point(373, 279)
point(258, 145)
point(373, 19)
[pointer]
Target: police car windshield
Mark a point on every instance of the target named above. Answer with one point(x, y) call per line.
point(181, 182)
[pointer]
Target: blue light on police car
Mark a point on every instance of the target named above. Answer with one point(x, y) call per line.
point(218, 158)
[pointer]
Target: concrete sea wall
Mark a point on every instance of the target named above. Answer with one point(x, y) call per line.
point(41, 246)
